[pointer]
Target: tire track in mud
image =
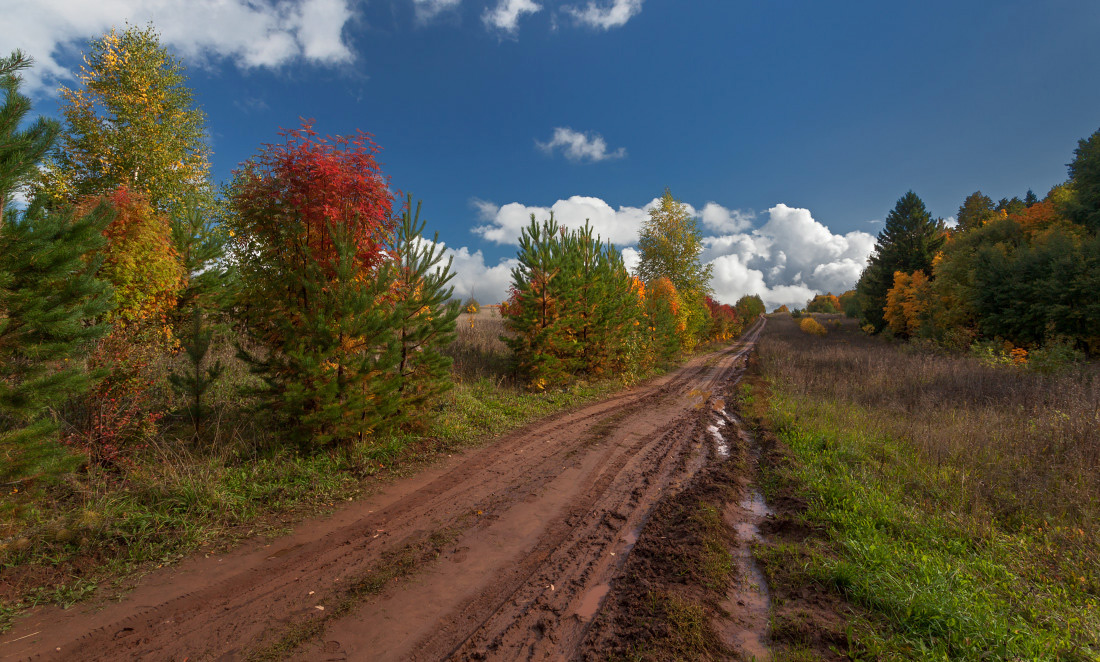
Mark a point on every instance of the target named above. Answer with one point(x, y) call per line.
point(543, 519)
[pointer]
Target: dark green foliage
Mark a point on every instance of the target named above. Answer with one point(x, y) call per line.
point(1031, 199)
point(749, 307)
point(194, 383)
point(50, 298)
point(1084, 172)
point(20, 150)
point(907, 243)
point(425, 317)
point(329, 363)
point(49, 301)
point(849, 304)
point(572, 309)
point(976, 210)
point(1011, 207)
point(1030, 292)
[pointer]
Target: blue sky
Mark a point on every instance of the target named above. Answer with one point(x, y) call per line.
point(790, 127)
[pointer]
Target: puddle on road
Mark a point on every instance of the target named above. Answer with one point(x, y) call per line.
point(747, 601)
point(590, 603)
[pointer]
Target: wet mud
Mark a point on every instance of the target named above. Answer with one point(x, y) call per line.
point(530, 536)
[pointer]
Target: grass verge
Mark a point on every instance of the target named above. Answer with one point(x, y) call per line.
point(924, 548)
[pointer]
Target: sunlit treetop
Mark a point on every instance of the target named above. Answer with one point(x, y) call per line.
point(130, 121)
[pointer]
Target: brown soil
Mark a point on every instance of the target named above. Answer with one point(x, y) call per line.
point(504, 552)
point(809, 620)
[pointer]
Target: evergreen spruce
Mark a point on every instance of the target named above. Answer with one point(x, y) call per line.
point(908, 242)
point(1084, 172)
point(196, 381)
point(425, 317)
point(49, 298)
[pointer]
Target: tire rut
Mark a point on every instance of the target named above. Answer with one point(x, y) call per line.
point(543, 506)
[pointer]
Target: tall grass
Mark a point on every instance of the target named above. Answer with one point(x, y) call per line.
point(1021, 446)
point(963, 500)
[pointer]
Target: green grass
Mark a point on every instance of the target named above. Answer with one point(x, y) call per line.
point(939, 575)
point(715, 560)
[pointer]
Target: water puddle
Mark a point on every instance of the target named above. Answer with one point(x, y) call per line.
point(590, 603)
point(747, 602)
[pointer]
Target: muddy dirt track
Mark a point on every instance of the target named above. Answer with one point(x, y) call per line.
point(514, 546)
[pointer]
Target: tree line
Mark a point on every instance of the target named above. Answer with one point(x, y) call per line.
point(575, 310)
point(125, 265)
point(1019, 274)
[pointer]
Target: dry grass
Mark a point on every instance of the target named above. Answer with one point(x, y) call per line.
point(1026, 446)
point(960, 501)
point(478, 351)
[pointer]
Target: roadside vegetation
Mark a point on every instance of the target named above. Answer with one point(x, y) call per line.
point(948, 508)
point(184, 363)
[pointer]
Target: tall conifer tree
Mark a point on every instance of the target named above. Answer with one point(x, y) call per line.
point(50, 298)
point(425, 316)
point(908, 242)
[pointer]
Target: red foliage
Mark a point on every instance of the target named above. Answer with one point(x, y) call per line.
point(290, 194)
point(724, 319)
point(1038, 217)
point(122, 411)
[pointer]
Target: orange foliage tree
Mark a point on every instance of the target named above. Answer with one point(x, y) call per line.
point(139, 258)
point(910, 305)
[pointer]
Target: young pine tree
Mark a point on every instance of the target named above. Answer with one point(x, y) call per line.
point(330, 368)
point(194, 382)
point(49, 296)
point(425, 317)
point(539, 312)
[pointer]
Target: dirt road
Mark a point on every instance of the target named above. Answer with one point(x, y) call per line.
point(503, 552)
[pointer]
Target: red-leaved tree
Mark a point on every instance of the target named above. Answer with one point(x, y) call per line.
point(289, 198)
point(310, 233)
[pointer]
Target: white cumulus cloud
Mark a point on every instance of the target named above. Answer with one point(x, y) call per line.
point(787, 260)
point(579, 146)
point(503, 224)
point(605, 16)
point(426, 10)
point(717, 218)
point(488, 283)
point(505, 16)
point(251, 33)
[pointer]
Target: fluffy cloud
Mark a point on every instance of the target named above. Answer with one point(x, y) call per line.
point(607, 16)
point(252, 33)
point(717, 218)
point(786, 260)
point(474, 278)
point(579, 146)
point(505, 17)
point(426, 10)
point(502, 225)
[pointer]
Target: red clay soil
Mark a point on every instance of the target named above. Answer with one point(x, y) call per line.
point(513, 547)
